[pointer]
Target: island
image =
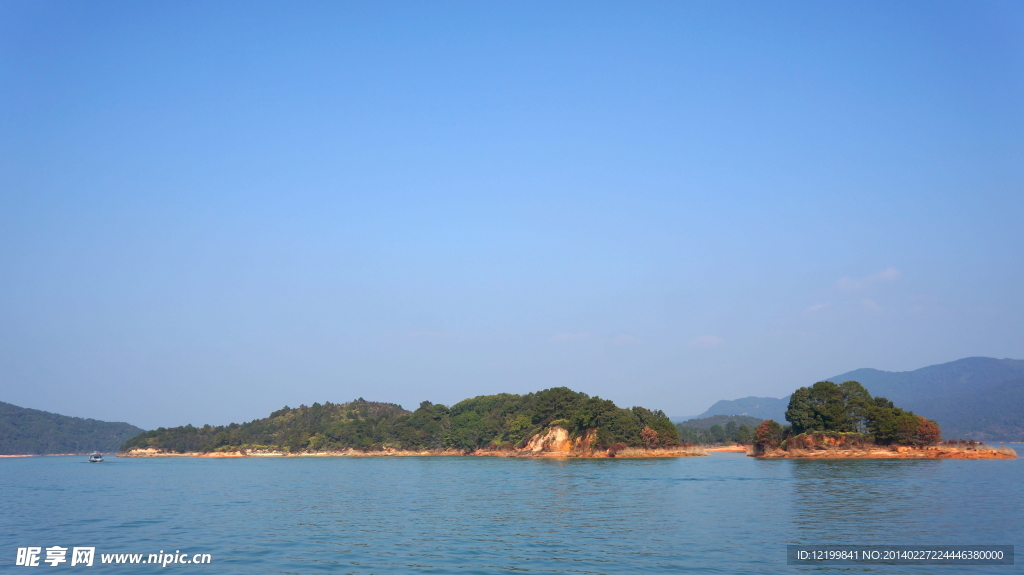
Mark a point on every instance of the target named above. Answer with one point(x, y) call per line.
point(25, 432)
point(844, 421)
point(556, 422)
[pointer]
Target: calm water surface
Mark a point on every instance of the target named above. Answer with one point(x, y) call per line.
point(721, 514)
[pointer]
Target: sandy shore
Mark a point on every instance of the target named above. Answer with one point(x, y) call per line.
point(728, 449)
point(624, 454)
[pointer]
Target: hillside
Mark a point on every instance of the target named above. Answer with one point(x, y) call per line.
point(946, 380)
point(502, 421)
point(723, 420)
point(993, 413)
point(973, 398)
point(26, 431)
point(718, 429)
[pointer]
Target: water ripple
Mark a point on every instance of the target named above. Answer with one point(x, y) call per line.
point(719, 514)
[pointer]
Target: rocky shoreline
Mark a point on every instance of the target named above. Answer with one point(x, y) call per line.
point(877, 452)
point(599, 454)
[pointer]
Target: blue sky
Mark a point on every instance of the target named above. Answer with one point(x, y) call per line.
point(211, 210)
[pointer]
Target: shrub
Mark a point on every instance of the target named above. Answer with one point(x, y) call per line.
point(649, 437)
point(767, 436)
point(615, 448)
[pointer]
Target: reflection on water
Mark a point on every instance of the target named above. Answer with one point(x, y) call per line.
point(858, 500)
point(722, 514)
point(903, 501)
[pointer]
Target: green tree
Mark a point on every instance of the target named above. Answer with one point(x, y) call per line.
point(885, 421)
point(830, 407)
point(857, 401)
point(730, 431)
point(744, 434)
point(826, 406)
point(554, 403)
point(801, 414)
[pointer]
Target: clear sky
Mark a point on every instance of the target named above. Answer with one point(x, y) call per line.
point(209, 210)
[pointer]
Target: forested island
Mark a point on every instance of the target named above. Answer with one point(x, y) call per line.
point(829, 420)
point(979, 398)
point(553, 421)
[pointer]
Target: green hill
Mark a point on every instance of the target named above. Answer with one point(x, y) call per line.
point(943, 381)
point(972, 398)
point(26, 431)
point(758, 407)
point(992, 413)
point(718, 429)
point(488, 421)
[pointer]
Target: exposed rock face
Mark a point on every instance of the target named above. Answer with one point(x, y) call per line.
point(557, 440)
point(151, 452)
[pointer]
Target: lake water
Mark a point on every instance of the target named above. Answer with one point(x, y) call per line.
point(726, 513)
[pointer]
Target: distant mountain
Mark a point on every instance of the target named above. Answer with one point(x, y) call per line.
point(973, 398)
point(993, 413)
point(707, 422)
point(920, 387)
point(681, 418)
point(760, 407)
point(26, 431)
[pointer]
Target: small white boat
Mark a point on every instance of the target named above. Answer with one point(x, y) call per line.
point(96, 457)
